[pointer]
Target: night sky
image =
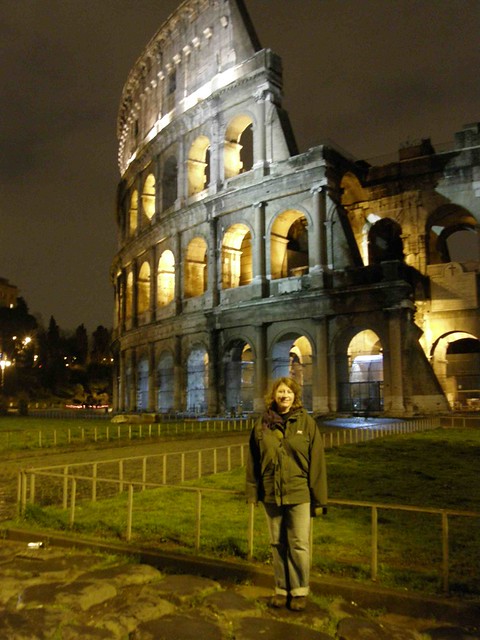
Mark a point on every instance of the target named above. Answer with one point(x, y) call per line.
point(368, 74)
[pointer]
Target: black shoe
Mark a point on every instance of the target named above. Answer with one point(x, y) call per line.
point(298, 603)
point(278, 601)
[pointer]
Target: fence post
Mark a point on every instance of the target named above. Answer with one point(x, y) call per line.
point(65, 488)
point(229, 458)
point(32, 488)
point(374, 559)
point(182, 469)
point(251, 521)
point(129, 512)
point(198, 518)
point(144, 472)
point(199, 463)
point(120, 476)
point(164, 469)
point(73, 497)
point(445, 552)
point(24, 492)
point(215, 461)
point(19, 492)
point(94, 482)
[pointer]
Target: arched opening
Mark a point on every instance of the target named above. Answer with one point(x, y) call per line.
point(364, 390)
point(195, 276)
point(142, 385)
point(148, 199)
point(166, 278)
point(133, 213)
point(289, 245)
point(143, 288)
point(165, 383)
point(456, 362)
point(452, 236)
point(292, 357)
point(198, 166)
point(239, 372)
point(238, 146)
point(197, 380)
point(385, 242)
point(169, 183)
point(237, 267)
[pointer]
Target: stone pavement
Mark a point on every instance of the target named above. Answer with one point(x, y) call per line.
point(58, 593)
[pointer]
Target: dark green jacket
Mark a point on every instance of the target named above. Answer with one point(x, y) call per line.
point(287, 467)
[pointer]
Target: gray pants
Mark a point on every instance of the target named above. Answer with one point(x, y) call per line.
point(289, 530)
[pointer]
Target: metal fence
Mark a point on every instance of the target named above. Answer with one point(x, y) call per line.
point(111, 432)
point(69, 485)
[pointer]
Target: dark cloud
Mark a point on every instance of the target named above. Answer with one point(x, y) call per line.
point(368, 75)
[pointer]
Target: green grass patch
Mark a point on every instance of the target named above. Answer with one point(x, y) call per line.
point(437, 469)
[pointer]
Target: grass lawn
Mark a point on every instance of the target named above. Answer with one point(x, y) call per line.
point(438, 469)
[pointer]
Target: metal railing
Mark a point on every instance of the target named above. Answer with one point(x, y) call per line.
point(93, 480)
point(110, 432)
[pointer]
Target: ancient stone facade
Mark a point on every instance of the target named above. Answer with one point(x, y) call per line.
point(241, 260)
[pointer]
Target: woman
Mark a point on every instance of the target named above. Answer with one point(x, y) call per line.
point(286, 472)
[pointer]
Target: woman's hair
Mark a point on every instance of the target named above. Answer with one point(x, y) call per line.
point(291, 384)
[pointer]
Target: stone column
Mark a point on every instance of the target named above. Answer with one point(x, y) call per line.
point(179, 285)
point(213, 377)
point(178, 375)
point(153, 283)
point(132, 391)
point(259, 248)
point(152, 391)
point(261, 373)
point(120, 404)
point(134, 294)
point(182, 178)
point(216, 156)
point(259, 137)
point(320, 383)
point(394, 401)
point(213, 284)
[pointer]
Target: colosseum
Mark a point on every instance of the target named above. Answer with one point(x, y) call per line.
point(240, 259)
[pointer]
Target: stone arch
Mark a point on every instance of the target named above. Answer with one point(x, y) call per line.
point(292, 356)
point(360, 371)
point(165, 380)
point(198, 166)
point(169, 182)
point(148, 198)
point(238, 146)
point(452, 236)
point(197, 379)
point(166, 278)
point(195, 276)
point(239, 376)
point(133, 213)
point(385, 241)
point(289, 245)
point(237, 269)
point(455, 358)
point(143, 288)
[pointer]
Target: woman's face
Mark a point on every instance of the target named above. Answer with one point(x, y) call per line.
point(284, 398)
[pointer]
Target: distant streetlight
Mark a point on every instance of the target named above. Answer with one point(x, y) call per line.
point(4, 363)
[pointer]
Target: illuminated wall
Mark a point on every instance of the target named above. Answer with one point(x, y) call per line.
point(240, 259)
